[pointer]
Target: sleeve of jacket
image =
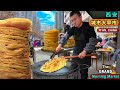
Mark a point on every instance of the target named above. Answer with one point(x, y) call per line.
point(90, 46)
point(64, 39)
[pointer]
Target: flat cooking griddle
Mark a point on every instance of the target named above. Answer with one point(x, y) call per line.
point(70, 67)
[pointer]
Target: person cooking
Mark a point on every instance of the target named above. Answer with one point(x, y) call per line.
point(85, 41)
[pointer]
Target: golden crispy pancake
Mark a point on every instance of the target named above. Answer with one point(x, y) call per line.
point(53, 65)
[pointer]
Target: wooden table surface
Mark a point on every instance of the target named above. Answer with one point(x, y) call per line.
point(103, 50)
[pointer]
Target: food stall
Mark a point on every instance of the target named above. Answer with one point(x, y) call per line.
point(44, 53)
point(18, 60)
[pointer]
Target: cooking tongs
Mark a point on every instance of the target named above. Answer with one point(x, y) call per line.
point(53, 55)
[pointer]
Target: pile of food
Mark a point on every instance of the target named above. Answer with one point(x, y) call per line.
point(50, 40)
point(70, 43)
point(14, 48)
point(54, 65)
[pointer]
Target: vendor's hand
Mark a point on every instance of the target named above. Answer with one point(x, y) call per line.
point(82, 54)
point(59, 47)
point(61, 34)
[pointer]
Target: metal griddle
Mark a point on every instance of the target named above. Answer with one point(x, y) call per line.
point(70, 67)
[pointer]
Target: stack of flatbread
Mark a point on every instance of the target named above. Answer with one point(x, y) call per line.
point(50, 40)
point(14, 48)
point(70, 43)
